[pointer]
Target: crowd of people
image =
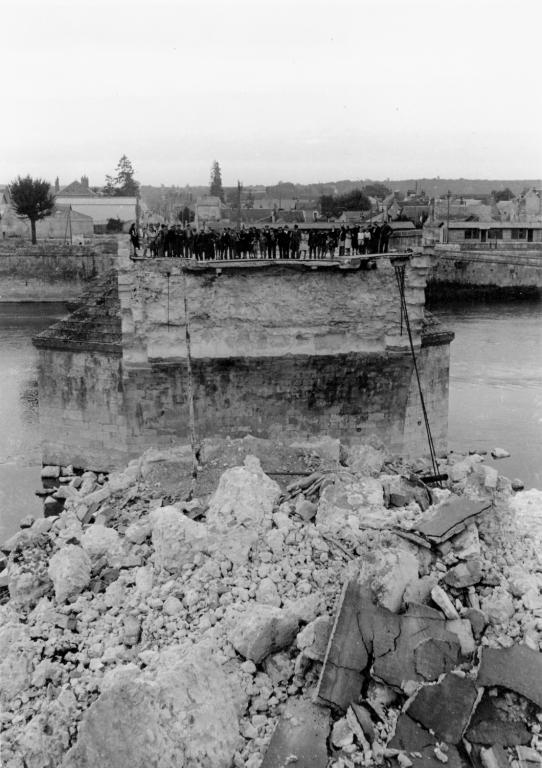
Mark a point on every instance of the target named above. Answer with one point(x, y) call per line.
point(265, 242)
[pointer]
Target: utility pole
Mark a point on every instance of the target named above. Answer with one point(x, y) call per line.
point(448, 194)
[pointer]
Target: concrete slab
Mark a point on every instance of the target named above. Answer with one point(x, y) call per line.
point(489, 726)
point(440, 524)
point(420, 746)
point(518, 668)
point(300, 737)
point(445, 708)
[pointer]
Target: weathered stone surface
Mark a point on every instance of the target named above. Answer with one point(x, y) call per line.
point(234, 544)
point(245, 495)
point(314, 638)
point(494, 757)
point(528, 757)
point(395, 639)
point(16, 654)
point(348, 651)
point(176, 538)
point(478, 621)
point(442, 522)
point(359, 498)
point(302, 734)
point(500, 453)
point(69, 570)
point(305, 608)
point(445, 708)
point(139, 531)
point(267, 593)
point(462, 629)
point(306, 510)
point(420, 745)
point(489, 726)
point(440, 598)
point(181, 713)
point(388, 573)
point(262, 630)
point(50, 472)
point(498, 606)
point(419, 591)
point(464, 574)
point(466, 544)
point(434, 657)
point(364, 460)
point(518, 668)
point(98, 540)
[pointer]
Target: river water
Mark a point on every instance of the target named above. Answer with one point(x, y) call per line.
point(20, 459)
point(495, 393)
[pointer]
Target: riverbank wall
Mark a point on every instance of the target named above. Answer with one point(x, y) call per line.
point(282, 351)
point(52, 271)
point(475, 273)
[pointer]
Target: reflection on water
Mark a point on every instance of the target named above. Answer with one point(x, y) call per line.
point(496, 383)
point(495, 393)
point(20, 457)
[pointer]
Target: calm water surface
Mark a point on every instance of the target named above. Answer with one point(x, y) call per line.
point(496, 383)
point(495, 393)
point(20, 459)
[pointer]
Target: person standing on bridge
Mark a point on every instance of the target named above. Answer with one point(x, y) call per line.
point(134, 239)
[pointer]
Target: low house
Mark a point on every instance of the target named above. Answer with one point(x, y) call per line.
point(503, 232)
point(100, 208)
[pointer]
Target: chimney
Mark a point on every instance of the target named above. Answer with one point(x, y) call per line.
point(57, 185)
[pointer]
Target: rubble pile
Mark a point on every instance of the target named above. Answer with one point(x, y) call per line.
point(303, 604)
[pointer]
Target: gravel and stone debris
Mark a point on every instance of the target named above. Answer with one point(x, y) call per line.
point(307, 605)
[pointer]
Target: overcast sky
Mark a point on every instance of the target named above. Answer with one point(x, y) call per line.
point(297, 90)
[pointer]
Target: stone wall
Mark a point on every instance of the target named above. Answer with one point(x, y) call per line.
point(81, 408)
point(51, 271)
point(458, 274)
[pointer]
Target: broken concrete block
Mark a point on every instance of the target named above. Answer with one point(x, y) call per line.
point(262, 630)
point(434, 657)
point(466, 544)
point(306, 510)
point(395, 639)
point(347, 497)
point(445, 708)
point(347, 654)
point(176, 538)
point(494, 757)
point(300, 737)
point(528, 757)
point(314, 638)
point(245, 495)
point(499, 606)
point(342, 734)
point(388, 573)
point(462, 629)
point(449, 518)
point(500, 453)
point(419, 591)
point(69, 570)
point(464, 574)
point(50, 472)
point(420, 745)
point(518, 668)
point(478, 621)
point(364, 460)
point(489, 725)
point(440, 598)
point(181, 712)
point(267, 593)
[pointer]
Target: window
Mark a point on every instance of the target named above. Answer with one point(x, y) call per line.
point(495, 234)
point(519, 234)
point(472, 234)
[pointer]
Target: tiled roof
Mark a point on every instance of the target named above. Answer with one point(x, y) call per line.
point(76, 189)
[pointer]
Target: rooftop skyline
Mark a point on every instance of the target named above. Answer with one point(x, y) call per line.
point(302, 91)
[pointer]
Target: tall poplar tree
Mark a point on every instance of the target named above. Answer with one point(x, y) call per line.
point(215, 186)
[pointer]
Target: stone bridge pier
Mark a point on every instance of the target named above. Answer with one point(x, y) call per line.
point(277, 350)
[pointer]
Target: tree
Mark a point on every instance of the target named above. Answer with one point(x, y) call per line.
point(502, 194)
point(32, 199)
point(123, 184)
point(356, 200)
point(376, 189)
point(215, 185)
